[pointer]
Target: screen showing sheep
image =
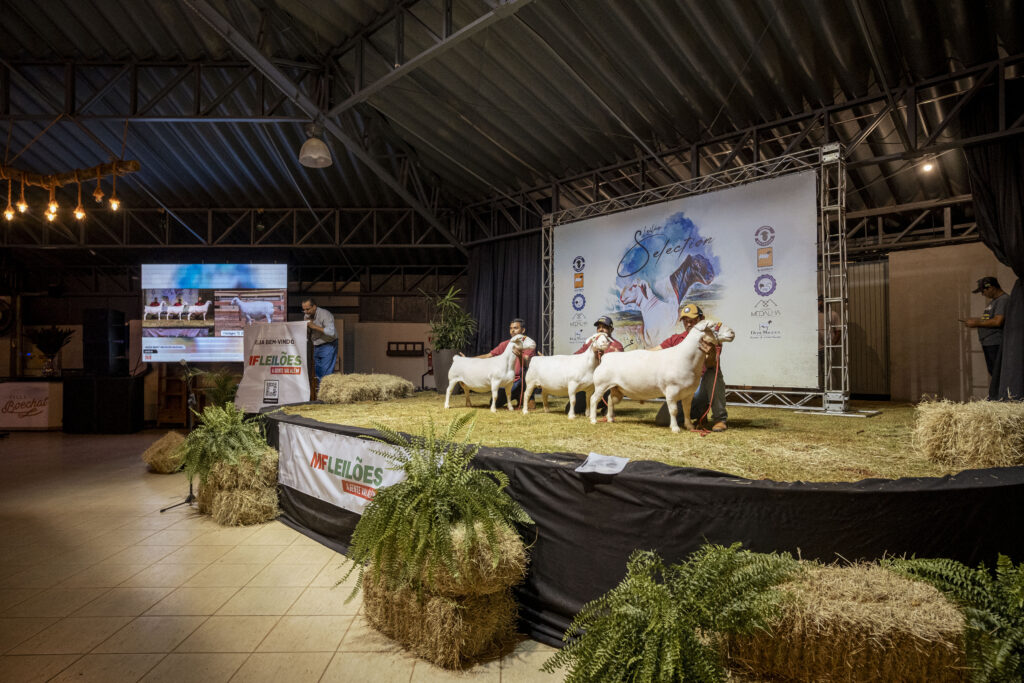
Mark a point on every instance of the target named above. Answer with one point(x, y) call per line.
point(199, 312)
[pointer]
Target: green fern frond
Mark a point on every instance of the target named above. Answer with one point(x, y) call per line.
point(406, 531)
point(223, 434)
point(993, 609)
point(665, 623)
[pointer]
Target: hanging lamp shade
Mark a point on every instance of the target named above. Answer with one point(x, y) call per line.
point(314, 152)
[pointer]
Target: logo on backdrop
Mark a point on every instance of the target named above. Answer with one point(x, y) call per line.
point(764, 235)
point(577, 280)
point(578, 320)
point(765, 285)
point(578, 302)
point(764, 257)
point(766, 308)
point(25, 407)
point(357, 479)
point(664, 264)
point(766, 329)
point(578, 264)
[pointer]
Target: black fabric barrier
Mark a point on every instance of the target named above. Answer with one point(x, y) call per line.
point(587, 524)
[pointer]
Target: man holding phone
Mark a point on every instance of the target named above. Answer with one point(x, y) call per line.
point(320, 323)
point(990, 324)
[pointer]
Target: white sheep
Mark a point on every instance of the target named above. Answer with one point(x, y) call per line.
point(155, 310)
point(196, 310)
point(488, 374)
point(176, 310)
point(569, 373)
point(673, 373)
point(254, 309)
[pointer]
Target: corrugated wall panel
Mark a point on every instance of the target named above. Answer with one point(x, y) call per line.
point(869, 327)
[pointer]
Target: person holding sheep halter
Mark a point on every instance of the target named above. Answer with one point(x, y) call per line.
point(712, 385)
point(325, 339)
point(516, 327)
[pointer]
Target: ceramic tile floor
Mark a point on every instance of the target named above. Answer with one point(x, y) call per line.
point(97, 585)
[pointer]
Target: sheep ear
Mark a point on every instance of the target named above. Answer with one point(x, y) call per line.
point(643, 288)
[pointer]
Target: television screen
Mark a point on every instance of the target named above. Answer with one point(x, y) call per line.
point(199, 312)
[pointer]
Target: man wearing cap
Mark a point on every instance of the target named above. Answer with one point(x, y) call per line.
point(990, 324)
point(604, 324)
point(711, 383)
point(517, 326)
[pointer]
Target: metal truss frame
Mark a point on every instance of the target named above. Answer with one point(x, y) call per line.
point(833, 394)
point(914, 110)
point(294, 228)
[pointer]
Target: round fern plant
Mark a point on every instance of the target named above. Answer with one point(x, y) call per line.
point(223, 434)
point(406, 533)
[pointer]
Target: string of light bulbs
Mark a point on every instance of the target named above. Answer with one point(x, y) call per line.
point(52, 182)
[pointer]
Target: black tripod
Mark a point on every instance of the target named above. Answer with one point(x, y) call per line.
point(189, 374)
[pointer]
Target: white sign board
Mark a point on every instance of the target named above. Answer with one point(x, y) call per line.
point(337, 469)
point(276, 368)
point(746, 255)
point(31, 405)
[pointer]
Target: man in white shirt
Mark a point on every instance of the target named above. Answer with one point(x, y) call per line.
point(325, 339)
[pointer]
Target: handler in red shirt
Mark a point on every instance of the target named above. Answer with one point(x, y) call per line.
point(603, 324)
point(517, 326)
point(690, 315)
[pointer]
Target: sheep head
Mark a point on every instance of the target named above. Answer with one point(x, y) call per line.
point(716, 333)
point(599, 342)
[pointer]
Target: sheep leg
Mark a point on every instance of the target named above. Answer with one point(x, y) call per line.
point(686, 403)
point(465, 390)
point(529, 392)
point(611, 403)
point(544, 399)
point(598, 392)
point(508, 396)
point(572, 400)
point(494, 396)
point(448, 394)
point(672, 410)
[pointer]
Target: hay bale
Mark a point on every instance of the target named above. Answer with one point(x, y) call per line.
point(857, 624)
point(476, 571)
point(242, 507)
point(204, 499)
point(453, 633)
point(970, 435)
point(165, 455)
point(339, 388)
point(247, 473)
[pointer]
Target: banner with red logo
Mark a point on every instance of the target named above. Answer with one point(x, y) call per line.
point(276, 368)
point(340, 470)
point(31, 405)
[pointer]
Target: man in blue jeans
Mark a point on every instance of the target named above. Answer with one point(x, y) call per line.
point(325, 339)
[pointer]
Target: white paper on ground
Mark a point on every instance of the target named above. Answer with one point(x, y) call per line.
point(603, 464)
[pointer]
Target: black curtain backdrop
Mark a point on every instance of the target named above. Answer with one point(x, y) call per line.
point(504, 283)
point(996, 170)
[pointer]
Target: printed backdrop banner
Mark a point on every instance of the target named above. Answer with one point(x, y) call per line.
point(746, 255)
point(31, 405)
point(337, 469)
point(276, 371)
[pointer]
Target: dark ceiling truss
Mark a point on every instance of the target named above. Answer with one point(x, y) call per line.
point(288, 87)
point(402, 40)
point(154, 91)
point(294, 228)
point(396, 280)
point(858, 124)
point(910, 226)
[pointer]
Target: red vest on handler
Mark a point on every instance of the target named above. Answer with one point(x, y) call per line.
point(527, 353)
point(674, 340)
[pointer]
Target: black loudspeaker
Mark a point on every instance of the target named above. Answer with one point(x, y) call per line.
point(104, 342)
point(103, 405)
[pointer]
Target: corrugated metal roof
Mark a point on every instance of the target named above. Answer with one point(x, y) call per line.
point(557, 89)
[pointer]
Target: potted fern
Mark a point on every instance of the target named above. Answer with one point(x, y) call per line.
point(235, 468)
point(437, 553)
point(49, 341)
point(452, 328)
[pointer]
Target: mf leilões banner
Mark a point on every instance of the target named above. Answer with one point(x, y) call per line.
point(746, 255)
point(341, 470)
point(276, 370)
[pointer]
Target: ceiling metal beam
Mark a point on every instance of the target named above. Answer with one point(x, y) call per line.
point(500, 12)
point(278, 78)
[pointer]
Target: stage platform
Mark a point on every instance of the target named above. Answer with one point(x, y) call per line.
point(588, 524)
